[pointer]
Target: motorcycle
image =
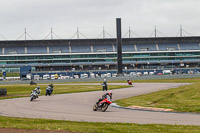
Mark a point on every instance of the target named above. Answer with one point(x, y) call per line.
point(49, 91)
point(129, 82)
point(33, 95)
point(103, 104)
point(33, 82)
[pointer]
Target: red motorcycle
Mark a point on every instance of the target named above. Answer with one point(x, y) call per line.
point(129, 82)
point(103, 103)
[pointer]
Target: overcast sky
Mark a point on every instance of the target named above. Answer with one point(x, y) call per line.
point(64, 16)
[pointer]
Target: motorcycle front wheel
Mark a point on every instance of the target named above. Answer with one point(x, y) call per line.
point(31, 99)
point(104, 107)
point(95, 107)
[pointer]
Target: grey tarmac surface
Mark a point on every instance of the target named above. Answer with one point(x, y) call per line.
point(78, 107)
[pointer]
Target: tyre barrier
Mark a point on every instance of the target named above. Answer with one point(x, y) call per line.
point(3, 92)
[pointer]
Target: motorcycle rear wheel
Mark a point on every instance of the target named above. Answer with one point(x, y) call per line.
point(104, 107)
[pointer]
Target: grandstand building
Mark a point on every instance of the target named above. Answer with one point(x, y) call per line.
point(100, 54)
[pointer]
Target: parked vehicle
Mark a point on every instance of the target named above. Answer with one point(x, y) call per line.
point(56, 76)
point(114, 75)
point(84, 75)
point(151, 73)
point(36, 77)
point(46, 76)
point(145, 73)
point(52, 76)
point(139, 74)
point(133, 74)
point(108, 75)
point(166, 72)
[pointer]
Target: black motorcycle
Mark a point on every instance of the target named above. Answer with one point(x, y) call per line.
point(49, 90)
point(33, 82)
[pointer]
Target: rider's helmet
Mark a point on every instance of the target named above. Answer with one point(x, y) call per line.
point(51, 85)
point(104, 80)
point(38, 87)
point(110, 93)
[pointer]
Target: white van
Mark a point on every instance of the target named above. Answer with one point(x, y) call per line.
point(46, 76)
point(108, 75)
point(97, 76)
point(145, 73)
point(36, 77)
point(166, 71)
point(53, 76)
point(82, 76)
point(85, 75)
point(76, 76)
point(151, 73)
point(139, 74)
point(28, 76)
point(133, 74)
point(114, 75)
point(103, 75)
point(92, 75)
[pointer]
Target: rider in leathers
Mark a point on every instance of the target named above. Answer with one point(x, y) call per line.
point(105, 96)
point(37, 90)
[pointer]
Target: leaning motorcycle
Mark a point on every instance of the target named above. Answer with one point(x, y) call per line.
point(49, 91)
point(33, 95)
point(102, 105)
point(129, 82)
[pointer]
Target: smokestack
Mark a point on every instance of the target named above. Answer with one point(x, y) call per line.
point(119, 46)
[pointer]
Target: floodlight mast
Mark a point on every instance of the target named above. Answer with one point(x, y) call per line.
point(181, 30)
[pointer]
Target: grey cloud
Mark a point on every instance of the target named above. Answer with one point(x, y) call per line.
point(38, 16)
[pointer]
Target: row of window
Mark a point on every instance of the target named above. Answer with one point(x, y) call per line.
point(99, 60)
point(134, 55)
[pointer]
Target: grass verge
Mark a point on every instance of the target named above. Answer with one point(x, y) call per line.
point(11, 74)
point(181, 99)
point(44, 124)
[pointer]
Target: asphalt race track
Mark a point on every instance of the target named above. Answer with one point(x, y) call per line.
point(78, 107)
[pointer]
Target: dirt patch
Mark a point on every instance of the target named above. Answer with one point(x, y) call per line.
point(13, 130)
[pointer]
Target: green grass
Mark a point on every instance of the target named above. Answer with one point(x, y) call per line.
point(11, 74)
point(21, 90)
point(44, 124)
point(181, 99)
